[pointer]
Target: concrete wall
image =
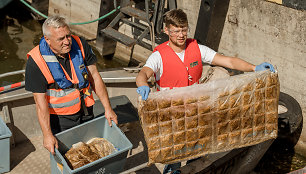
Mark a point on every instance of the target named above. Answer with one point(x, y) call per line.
point(258, 31)
point(191, 8)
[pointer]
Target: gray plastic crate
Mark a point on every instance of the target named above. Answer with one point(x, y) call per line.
point(5, 135)
point(97, 127)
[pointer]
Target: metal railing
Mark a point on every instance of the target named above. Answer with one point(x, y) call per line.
point(12, 86)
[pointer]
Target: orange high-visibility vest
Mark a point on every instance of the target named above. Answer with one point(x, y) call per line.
point(63, 101)
point(177, 73)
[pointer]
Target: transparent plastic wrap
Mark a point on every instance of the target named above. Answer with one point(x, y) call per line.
point(188, 122)
point(101, 146)
point(81, 154)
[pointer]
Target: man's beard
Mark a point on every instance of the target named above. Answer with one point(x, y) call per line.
point(179, 44)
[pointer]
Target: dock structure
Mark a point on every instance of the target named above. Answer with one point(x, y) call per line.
point(256, 31)
point(18, 106)
point(27, 152)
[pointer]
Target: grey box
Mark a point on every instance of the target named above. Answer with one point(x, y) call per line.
point(97, 127)
point(5, 135)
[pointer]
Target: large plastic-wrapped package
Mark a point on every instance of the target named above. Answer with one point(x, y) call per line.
point(189, 122)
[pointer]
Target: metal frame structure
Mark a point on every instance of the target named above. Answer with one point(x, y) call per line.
point(148, 21)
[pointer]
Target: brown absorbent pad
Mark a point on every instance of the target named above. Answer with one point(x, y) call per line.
point(189, 122)
point(81, 153)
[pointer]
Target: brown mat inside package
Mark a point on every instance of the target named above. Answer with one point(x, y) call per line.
point(189, 122)
point(83, 153)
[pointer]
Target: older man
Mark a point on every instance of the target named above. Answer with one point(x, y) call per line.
point(61, 73)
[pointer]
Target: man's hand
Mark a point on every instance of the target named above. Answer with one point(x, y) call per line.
point(264, 66)
point(50, 142)
point(143, 91)
point(110, 115)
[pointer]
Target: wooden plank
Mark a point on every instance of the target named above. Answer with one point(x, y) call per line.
point(60, 7)
point(138, 25)
point(77, 12)
point(83, 11)
point(276, 1)
point(119, 36)
point(134, 12)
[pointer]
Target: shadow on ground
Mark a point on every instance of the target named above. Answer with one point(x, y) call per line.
point(21, 150)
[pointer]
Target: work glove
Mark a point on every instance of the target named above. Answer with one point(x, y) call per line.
point(143, 91)
point(264, 66)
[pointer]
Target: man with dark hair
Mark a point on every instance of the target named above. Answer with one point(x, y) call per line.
point(61, 73)
point(182, 58)
point(178, 62)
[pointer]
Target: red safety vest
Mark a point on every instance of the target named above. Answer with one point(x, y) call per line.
point(177, 73)
point(63, 101)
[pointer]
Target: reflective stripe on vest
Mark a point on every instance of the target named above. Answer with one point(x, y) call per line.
point(60, 93)
point(177, 73)
point(64, 101)
point(67, 104)
point(50, 58)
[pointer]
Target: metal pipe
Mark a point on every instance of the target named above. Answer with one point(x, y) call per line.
point(147, 11)
point(12, 73)
point(118, 78)
point(115, 4)
point(104, 78)
point(12, 86)
point(22, 84)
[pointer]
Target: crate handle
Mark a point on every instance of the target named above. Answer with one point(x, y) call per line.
point(57, 159)
point(60, 161)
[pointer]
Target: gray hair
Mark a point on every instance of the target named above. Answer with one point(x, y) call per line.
point(53, 21)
